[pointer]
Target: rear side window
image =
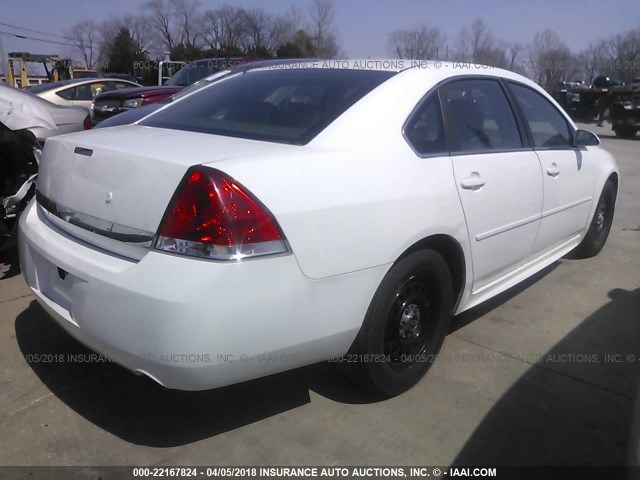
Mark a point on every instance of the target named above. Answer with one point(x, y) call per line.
point(84, 92)
point(425, 129)
point(548, 126)
point(67, 93)
point(481, 115)
point(286, 106)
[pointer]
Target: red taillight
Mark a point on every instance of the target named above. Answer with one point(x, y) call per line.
point(86, 124)
point(213, 216)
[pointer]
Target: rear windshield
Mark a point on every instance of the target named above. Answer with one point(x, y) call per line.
point(286, 106)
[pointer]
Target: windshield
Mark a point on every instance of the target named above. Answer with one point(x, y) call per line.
point(286, 106)
point(200, 84)
point(191, 74)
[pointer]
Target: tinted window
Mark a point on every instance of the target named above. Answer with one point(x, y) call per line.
point(481, 115)
point(67, 94)
point(121, 85)
point(108, 86)
point(190, 74)
point(287, 106)
point(84, 92)
point(425, 130)
point(548, 126)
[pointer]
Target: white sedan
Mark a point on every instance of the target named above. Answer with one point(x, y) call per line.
point(291, 214)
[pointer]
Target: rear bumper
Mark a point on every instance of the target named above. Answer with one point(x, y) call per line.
point(191, 324)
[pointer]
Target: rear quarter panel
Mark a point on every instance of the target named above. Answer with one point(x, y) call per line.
point(358, 196)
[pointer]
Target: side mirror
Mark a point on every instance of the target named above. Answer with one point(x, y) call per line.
point(586, 139)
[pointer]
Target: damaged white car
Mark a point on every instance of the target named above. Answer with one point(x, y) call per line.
point(26, 121)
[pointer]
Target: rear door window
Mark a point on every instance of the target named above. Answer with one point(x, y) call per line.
point(481, 115)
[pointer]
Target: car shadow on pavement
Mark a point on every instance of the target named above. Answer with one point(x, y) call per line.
point(139, 411)
point(574, 405)
point(9, 264)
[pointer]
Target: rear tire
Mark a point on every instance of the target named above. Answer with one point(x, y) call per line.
point(625, 132)
point(600, 225)
point(405, 325)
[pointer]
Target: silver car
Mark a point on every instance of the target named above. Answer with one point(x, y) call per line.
point(66, 119)
point(78, 92)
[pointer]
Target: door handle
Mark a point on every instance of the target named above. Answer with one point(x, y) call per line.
point(553, 170)
point(474, 182)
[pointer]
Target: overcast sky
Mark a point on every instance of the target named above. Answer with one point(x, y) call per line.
point(362, 25)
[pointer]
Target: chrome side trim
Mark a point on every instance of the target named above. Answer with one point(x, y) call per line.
point(96, 225)
point(506, 228)
point(562, 208)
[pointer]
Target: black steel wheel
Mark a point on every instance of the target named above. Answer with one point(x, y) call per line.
point(411, 321)
point(600, 225)
point(405, 325)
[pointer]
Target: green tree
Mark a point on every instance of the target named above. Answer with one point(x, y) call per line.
point(289, 50)
point(186, 52)
point(300, 46)
point(258, 52)
point(123, 53)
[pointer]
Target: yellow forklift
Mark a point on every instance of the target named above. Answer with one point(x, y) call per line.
point(55, 68)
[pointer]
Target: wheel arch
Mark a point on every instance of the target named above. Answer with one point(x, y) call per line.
point(453, 254)
point(614, 178)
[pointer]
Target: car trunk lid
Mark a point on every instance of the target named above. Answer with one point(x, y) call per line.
point(111, 187)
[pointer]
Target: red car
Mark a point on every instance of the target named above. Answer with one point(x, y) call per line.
point(112, 103)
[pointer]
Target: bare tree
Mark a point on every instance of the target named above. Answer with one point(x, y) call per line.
point(293, 21)
point(224, 27)
point(322, 16)
point(476, 44)
point(163, 14)
point(593, 58)
point(551, 59)
point(280, 31)
point(422, 43)
point(211, 29)
point(257, 26)
point(139, 27)
point(512, 52)
point(188, 28)
point(85, 39)
point(623, 55)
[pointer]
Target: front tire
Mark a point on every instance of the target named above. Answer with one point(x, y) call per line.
point(405, 325)
point(600, 225)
